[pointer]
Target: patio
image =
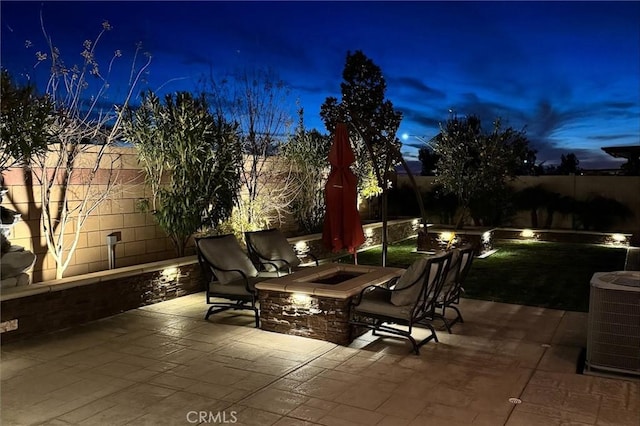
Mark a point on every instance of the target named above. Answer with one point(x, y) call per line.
point(163, 364)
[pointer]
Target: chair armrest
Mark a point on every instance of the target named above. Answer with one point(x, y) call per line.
point(263, 261)
point(390, 283)
point(356, 300)
point(243, 276)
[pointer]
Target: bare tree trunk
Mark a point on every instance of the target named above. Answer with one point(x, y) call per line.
point(385, 220)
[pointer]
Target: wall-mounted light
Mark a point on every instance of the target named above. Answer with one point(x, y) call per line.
point(300, 299)
point(527, 233)
point(171, 274)
point(302, 247)
point(486, 237)
point(619, 240)
point(447, 237)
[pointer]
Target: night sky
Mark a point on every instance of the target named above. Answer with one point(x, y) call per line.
point(566, 72)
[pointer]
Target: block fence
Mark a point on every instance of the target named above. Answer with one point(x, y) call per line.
point(625, 189)
point(142, 240)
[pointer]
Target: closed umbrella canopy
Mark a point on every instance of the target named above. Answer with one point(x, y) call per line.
point(342, 227)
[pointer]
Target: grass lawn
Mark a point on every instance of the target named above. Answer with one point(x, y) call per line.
point(548, 275)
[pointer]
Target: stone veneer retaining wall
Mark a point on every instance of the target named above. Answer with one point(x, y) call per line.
point(397, 230)
point(54, 305)
point(47, 307)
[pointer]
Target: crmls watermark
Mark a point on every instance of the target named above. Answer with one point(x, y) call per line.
point(223, 417)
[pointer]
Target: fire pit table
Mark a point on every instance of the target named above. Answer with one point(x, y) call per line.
point(315, 302)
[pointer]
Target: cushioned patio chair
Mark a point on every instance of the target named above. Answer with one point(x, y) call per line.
point(230, 274)
point(452, 289)
point(409, 300)
point(270, 251)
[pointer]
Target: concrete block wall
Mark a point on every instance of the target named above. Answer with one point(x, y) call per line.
point(142, 240)
point(625, 189)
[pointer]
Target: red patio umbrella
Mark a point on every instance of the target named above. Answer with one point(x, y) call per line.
point(342, 227)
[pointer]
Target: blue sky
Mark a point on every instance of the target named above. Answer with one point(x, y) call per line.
point(566, 72)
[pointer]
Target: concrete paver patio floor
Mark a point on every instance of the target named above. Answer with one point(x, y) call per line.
point(163, 364)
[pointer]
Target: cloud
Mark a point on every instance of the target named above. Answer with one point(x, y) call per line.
point(422, 117)
point(418, 88)
point(612, 137)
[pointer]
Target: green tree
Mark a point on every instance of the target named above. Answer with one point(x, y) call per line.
point(568, 165)
point(373, 121)
point(307, 153)
point(191, 159)
point(26, 123)
point(474, 165)
point(429, 160)
point(533, 198)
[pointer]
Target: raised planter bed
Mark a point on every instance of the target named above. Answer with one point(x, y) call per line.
point(564, 236)
point(54, 305)
point(439, 237)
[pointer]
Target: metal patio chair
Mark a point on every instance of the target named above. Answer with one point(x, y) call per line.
point(452, 289)
point(409, 300)
point(270, 251)
point(230, 275)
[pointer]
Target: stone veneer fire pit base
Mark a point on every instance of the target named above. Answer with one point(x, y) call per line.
point(314, 302)
point(317, 317)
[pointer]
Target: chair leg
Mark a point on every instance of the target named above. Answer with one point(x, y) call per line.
point(214, 310)
point(459, 318)
point(209, 313)
point(377, 325)
point(434, 335)
point(446, 322)
point(416, 347)
point(238, 305)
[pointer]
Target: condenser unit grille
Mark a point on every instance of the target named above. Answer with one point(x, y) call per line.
point(613, 339)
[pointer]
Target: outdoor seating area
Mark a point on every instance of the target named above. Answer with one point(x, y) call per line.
point(286, 243)
point(332, 302)
point(162, 363)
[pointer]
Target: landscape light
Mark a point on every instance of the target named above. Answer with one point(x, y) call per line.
point(302, 247)
point(527, 233)
point(618, 238)
point(447, 236)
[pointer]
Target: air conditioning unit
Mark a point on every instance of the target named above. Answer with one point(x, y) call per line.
point(613, 335)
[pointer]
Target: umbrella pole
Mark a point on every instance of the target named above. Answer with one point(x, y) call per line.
point(355, 257)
